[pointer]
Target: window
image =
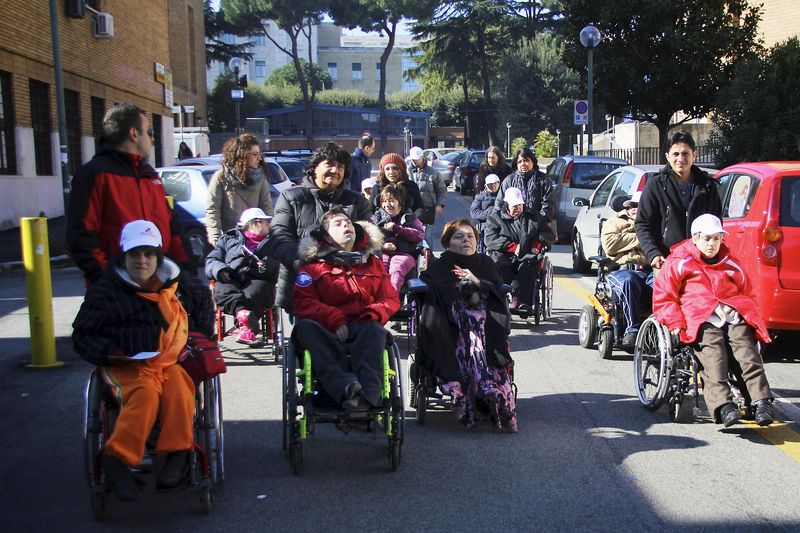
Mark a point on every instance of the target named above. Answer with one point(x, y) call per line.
point(260, 39)
point(98, 113)
point(177, 184)
point(261, 69)
point(790, 201)
point(378, 71)
point(356, 71)
point(589, 175)
point(158, 135)
point(742, 191)
point(42, 128)
point(406, 63)
point(624, 184)
point(333, 71)
point(72, 109)
point(603, 193)
point(228, 38)
point(8, 144)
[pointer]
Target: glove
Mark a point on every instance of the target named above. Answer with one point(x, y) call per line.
point(536, 247)
point(512, 247)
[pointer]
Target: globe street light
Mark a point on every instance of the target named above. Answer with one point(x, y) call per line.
point(508, 147)
point(590, 37)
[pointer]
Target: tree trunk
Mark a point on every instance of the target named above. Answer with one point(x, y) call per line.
point(382, 92)
point(465, 85)
point(487, 93)
point(304, 88)
point(663, 136)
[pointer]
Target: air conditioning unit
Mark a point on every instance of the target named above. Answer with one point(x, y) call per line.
point(104, 26)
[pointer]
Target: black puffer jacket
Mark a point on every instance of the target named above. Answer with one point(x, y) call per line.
point(113, 317)
point(663, 220)
point(502, 230)
point(299, 208)
point(537, 192)
point(228, 254)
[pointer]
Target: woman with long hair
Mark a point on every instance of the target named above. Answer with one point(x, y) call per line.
point(240, 184)
point(494, 163)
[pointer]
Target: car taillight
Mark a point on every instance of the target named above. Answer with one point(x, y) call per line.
point(568, 173)
point(771, 234)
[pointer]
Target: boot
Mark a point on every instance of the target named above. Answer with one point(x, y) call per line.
point(764, 413)
point(174, 469)
point(246, 334)
point(119, 480)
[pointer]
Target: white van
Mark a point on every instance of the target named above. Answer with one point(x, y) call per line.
point(196, 141)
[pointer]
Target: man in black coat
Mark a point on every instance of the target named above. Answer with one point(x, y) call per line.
point(672, 199)
point(324, 185)
point(361, 166)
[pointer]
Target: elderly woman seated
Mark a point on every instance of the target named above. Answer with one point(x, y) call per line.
point(465, 323)
point(144, 306)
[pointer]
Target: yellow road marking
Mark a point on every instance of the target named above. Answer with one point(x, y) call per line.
point(779, 434)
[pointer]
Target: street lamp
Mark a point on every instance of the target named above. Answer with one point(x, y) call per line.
point(237, 94)
point(508, 147)
point(558, 146)
point(198, 120)
point(224, 125)
point(406, 131)
point(590, 37)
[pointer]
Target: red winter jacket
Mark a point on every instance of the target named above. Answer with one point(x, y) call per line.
point(687, 290)
point(335, 295)
point(115, 188)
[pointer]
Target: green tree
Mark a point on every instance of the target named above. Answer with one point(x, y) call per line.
point(216, 27)
point(382, 16)
point(758, 114)
point(287, 75)
point(516, 144)
point(537, 88)
point(296, 18)
point(546, 144)
point(222, 109)
point(658, 58)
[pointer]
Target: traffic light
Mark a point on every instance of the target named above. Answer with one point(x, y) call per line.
point(243, 81)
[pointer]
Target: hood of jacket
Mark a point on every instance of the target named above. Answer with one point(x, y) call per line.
point(369, 239)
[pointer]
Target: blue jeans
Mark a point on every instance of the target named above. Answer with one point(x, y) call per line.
point(630, 285)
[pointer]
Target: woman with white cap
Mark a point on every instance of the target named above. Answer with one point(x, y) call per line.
point(483, 204)
point(144, 306)
point(245, 277)
point(512, 233)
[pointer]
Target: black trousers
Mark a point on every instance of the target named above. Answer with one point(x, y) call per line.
point(251, 294)
point(526, 272)
point(333, 368)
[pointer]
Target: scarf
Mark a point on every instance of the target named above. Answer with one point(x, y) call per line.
point(252, 240)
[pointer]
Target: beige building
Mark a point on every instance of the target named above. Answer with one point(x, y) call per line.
point(780, 20)
point(112, 51)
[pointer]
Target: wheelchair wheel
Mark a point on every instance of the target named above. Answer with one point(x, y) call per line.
point(605, 343)
point(205, 500)
point(296, 457)
point(395, 455)
point(98, 504)
point(587, 326)
point(93, 431)
point(422, 405)
point(546, 301)
point(651, 363)
point(290, 408)
point(213, 434)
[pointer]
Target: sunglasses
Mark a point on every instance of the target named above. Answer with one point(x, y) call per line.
point(150, 132)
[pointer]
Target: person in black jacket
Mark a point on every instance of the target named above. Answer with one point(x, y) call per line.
point(512, 234)
point(245, 277)
point(494, 163)
point(483, 203)
point(324, 185)
point(361, 167)
point(672, 199)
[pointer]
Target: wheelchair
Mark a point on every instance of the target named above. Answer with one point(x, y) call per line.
point(406, 315)
point(603, 322)
point(666, 370)
point(269, 326)
point(206, 457)
point(306, 404)
point(542, 308)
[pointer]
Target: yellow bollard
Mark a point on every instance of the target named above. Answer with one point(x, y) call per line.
point(36, 258)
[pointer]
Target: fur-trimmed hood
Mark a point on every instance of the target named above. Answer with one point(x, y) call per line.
point(369, 240)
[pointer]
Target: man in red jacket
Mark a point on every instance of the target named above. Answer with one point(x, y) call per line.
point(343, 294)
point(703, 296)
point(117, 187)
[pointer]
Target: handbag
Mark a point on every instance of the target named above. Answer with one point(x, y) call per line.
point(201, 358)
point(428, 217)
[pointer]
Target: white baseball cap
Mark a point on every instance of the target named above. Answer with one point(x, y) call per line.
point(415, 152)
point(492, 178)
point(368, 183)
point(139, 233)
point(637, 196)
point(252, 213)
point(708, 224)
point(513, 197)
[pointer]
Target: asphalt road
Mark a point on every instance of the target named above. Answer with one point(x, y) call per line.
point(587, 456)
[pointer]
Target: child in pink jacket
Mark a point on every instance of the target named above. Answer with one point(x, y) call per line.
point(703, 296)
point(402, 232)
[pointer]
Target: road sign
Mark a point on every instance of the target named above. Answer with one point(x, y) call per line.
point(581, 111)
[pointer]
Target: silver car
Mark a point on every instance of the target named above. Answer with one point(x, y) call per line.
point(447, 164)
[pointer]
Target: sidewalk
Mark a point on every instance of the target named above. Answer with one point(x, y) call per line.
point(11, 246)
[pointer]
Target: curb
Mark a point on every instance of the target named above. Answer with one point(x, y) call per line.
point(61, 261)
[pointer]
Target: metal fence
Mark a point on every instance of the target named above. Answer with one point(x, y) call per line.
point(706, 156)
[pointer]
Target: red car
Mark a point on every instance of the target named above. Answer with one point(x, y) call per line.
point(761, 211)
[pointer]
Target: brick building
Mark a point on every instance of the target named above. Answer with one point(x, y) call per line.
point(127, 60)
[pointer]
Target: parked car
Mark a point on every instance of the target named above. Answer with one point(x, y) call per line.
point(293, 167)
point(300, 153)
point(573, 176)
point(597, 209)
point(761, 213)
point(213, 160)
point(446, 165)
point(467, 169)
point(431, 154)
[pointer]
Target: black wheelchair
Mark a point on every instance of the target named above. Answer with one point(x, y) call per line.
point(206, 458)
point(306, 404)
point(269, 336)
point(542, 308)
point(666, 370)
point(406, 315)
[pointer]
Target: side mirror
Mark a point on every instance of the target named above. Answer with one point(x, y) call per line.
point(580, 202)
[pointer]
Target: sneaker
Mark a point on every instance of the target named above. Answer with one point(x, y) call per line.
point(174, 469)
point(352, 388)
point(764, 413)
point(514, 302)
point(357, 403)
point(246, 336)
point(630, 338)
point(120, 481)
point(729, 415)
point(524, 308)
point(248, 319)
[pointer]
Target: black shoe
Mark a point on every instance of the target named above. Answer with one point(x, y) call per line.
point(524, 308)
point(174, 469)
point(120, 481)
point(358, 403)
point(764, 413)
point(352, 388)
point(630, 338)
point(729, 415)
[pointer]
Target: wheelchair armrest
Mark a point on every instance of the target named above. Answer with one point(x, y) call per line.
point(506, 289)
point(602, 262)
point(417, 286)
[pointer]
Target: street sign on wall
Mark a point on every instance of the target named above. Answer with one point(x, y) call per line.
point(581, 111)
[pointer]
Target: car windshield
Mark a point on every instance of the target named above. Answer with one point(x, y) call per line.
point(589, 175)
point(293, 169)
